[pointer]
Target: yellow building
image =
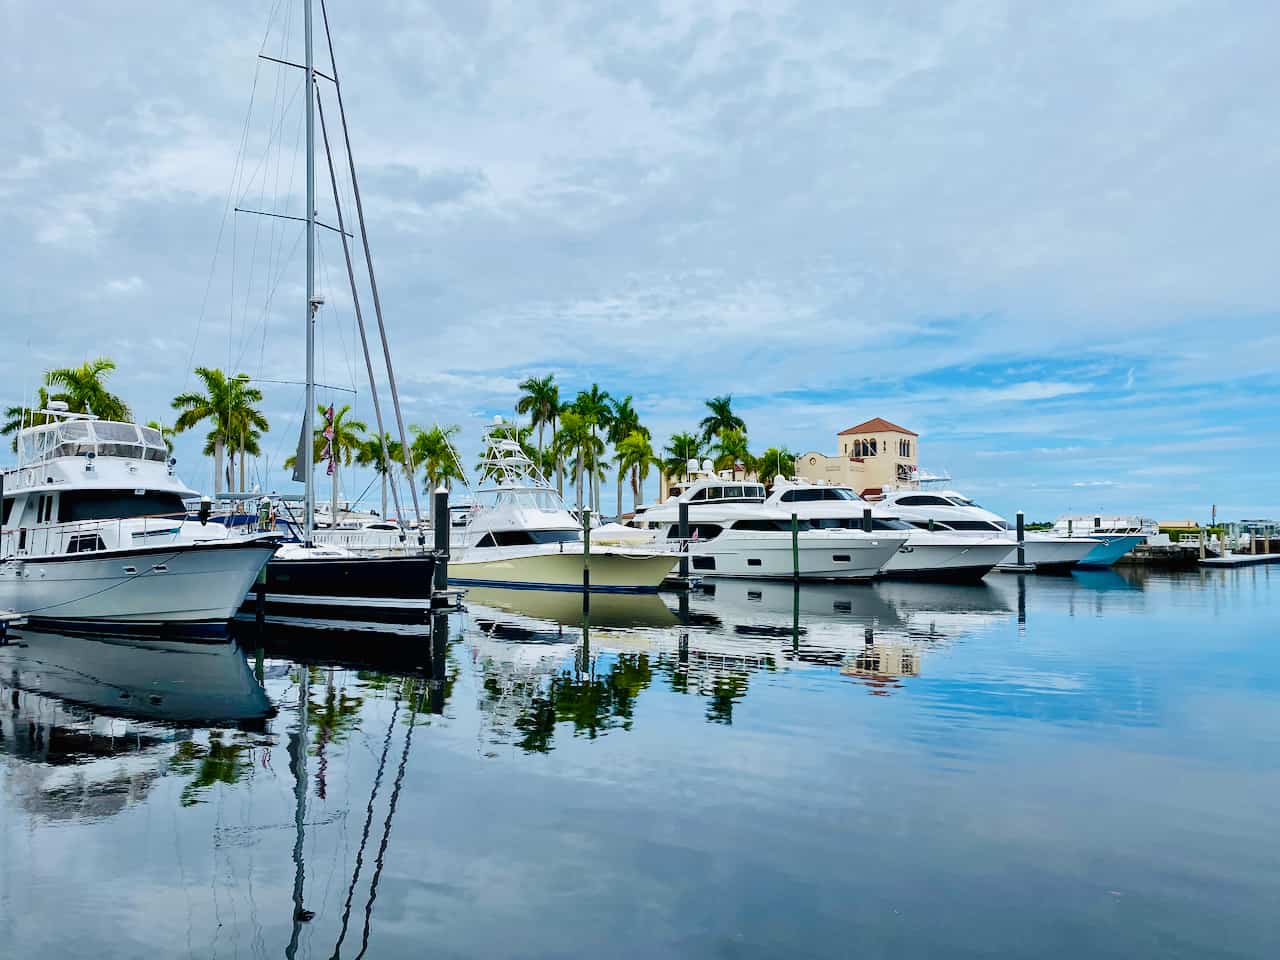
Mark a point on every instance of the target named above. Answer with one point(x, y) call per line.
point(868, 457)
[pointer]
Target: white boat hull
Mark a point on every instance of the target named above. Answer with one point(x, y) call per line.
point(180, 584)
point(1052, 553)
point(938, 556)
point(822, 555)
point(550, 568)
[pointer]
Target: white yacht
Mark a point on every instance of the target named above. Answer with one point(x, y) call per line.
point(519, 533)
point(95, 532)
point(947, 510)
point(927, 555)
point(1118, 535)
point(734, 533)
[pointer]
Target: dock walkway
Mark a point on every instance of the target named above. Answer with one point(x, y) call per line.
point(1240, 560)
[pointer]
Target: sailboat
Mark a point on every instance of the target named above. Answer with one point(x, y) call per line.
point(310, 581)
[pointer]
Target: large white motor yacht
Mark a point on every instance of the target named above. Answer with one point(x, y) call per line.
point(734, 533)
point(519, 533)
point(927, 555)
point(95, 532)
point(1118, 535)
point(947, 510)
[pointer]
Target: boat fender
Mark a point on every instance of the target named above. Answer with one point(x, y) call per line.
point(206, 509)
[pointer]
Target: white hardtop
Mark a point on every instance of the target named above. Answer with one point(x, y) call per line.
point(514, 495)
point(76, 451)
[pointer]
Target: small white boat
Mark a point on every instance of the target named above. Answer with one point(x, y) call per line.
point(520, 534)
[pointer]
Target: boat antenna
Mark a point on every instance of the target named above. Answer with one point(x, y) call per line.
point(313, 305)
point(368, 257)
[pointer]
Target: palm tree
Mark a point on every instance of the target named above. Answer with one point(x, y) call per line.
point(83, 389)
point(432, 451)
point(166, 433)
point(228, 402)
point(19, 417)
point(541, 401)
point(594, 405)
point(776, 462)
point(623, 421)
point(635, 454)
point(720, 418)
point(732, 449)
point(370, 455)
point(682, 448)
point(347, 441)
point(573, 441)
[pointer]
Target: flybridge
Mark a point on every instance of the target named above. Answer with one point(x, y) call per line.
point(79, 435)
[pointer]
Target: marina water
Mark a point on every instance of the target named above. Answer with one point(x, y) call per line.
point(1068, 766)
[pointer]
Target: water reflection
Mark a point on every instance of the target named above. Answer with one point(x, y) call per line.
point(316, 794)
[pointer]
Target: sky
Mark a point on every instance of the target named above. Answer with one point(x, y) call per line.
point(1042, 236)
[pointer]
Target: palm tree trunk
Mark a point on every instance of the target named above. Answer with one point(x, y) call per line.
point(618, 515)
point(384, 492)
point(242, 461)
point(578, 470)
point(217, 467)
point(635, 487)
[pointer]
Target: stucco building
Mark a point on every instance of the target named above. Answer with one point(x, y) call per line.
point(868, 457)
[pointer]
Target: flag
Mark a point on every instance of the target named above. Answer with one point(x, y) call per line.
point(300, 457)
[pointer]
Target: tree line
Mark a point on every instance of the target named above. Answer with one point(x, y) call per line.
point(564, 438)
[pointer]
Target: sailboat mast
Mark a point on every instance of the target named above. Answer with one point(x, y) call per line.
point(308, 416)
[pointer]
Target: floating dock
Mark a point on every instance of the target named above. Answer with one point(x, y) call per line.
point(1240, 560)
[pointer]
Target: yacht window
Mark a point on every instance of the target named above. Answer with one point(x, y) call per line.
point(964, 502)
point(703, 563)
point(6, 510)
point(803, 495)
point(704, 531)
point(917, 500)
point(485, 541)
point(771, 525)
point(698, 495)
point(840, 493)
point(757, 492)
point(79, 505)
point(85, 542)
point(971, 525)
point(889, 523)
point(734, 492)
point(118, 440)
point(715, 493)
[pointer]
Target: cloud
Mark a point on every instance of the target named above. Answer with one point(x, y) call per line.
point(832, 210)
point(125, 286)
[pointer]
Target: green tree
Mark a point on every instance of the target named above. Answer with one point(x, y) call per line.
point(720, 418)
point(370, 455)
point(595, 406)
point(575, 441)
point(228, 403)
point(623, 421)
point(635, 456)
point(432, 451)
point(540, 401)
point(84, 389)
point(348, 439)
point(731, 449)
point(776, 462)
point(682, 448)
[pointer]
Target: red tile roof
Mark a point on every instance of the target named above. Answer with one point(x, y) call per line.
point(877, 425)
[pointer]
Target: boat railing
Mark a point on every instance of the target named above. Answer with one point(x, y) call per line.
point(89, 536)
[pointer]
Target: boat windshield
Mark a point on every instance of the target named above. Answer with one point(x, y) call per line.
point(102, 438)
point(523, 498)
point(960, 501)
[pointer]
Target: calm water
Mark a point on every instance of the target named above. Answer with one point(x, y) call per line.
point(1082, 766)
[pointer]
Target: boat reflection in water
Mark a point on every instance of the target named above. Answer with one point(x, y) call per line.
point(94, 722)
point(544, 662)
